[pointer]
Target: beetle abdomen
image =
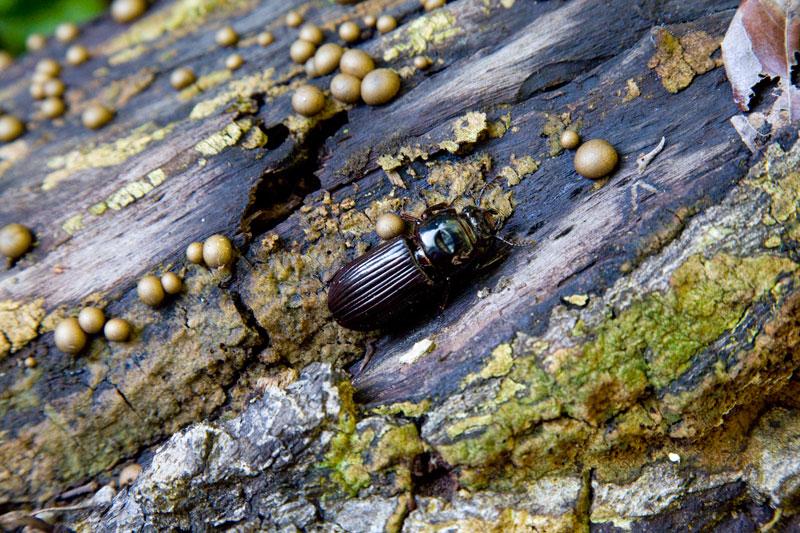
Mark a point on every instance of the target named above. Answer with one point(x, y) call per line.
point(378, 287)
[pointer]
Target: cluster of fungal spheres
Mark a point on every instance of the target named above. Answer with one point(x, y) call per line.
point(358, 79)
point(46, 85)
point(216, 252)
point(72, 333)
point(594, 159)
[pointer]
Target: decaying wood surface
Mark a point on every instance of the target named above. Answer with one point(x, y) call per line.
point(297, 195)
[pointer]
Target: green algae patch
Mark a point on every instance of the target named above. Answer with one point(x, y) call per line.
point(19, 324)
point(429, 30)
point(344, 457)
point(104, 155)
point(649, 344)
point(409, 409)
point(359, 450)
point(396, 445)
point(499, 364)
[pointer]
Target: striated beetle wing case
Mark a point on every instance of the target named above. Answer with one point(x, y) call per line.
point(378, 288)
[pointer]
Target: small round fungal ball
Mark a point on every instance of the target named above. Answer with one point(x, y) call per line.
point(129, 474)
point(308, 101)
point(349, 32)
point(595, 159)
point(386, 23)
point(96, 115)
point(117, 330)
point(182, 77)
point(311, 68)
point(327, 58)
point(311, 33)
point(35, 41)
point(346, 88)
point(293, 19)
point(67, 32)
point(389, 226)
point(265, 38)
point(380, 86)
point(123, 11)
point(430, 5)
point(91, 319)
point(422, 62)
point(10, 128)
point(15, 240)
point(194, 253)
point(370, 21)
point(30, 362)
point(226, 36)
point(77, 54)
point(218, 251)
point(150, 290)
point(234, 62)
point(6, 60)
point(301, 51)
point(357, 63)
point(37, 91)
point(570, 139)
point(54, 87)
point(48, 67)
point(69, 337)
point(172, 283)
point(53, 107)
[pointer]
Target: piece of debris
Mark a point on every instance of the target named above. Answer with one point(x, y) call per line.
point(644, 159)
point(418, 350)
point(578, 300)
point(674, 457)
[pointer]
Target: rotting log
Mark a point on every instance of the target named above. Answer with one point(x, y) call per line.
point(651, 314)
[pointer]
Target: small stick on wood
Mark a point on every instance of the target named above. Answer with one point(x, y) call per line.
point(643, 160)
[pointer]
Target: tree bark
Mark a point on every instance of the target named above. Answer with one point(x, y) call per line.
point(648, 316)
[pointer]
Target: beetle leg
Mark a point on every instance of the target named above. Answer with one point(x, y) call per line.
point(434, 209)
point(369, 352)
point(445, 296)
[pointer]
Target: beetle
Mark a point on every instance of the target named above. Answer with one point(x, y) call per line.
point(385, 285)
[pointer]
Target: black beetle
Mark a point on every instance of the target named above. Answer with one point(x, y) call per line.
point(389, 282)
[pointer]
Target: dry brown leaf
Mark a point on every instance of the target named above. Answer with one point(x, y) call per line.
point(763, 41)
